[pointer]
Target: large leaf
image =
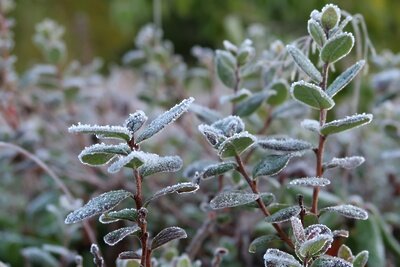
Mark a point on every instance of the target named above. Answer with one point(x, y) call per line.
point(251, 104)
point(345, 78)
point(271, 165)
point(218, 169)
point(117, 132)
point(344, 124)
point(161, 164)
point(285, 144)
point(262, 243)
point(284, 215)
point(114, 216)
point(187, 187)
point(348, 211)
point(97, 205)
point(316, 32)
point(114, 237)
point(232, 199)
point(310, 181)
point(276, 258)
point(337, 47)
point(164, 119)
point(134, 160)
point(327, 261)
point(304, 63)
point(235, 144)
point(100, 154)
point(166, 235)
point(226, 67)
point(315, 246)
point(311, 95)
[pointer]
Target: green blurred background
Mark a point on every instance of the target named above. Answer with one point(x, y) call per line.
point(106, 28)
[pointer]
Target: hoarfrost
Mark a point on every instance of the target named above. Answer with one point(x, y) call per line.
point(232, 199)
point(347, 162)
point(285, 144)
point(135, 158)
point(114, 237)
point(284, 215)
point(310, 181)
point(166, 235)
point(349, 211)
point(156, 164)
point(218, 169)
point(135, 121)
point(276, 258)
point(106, 131)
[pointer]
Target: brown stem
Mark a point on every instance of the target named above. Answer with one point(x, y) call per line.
point(261, 205)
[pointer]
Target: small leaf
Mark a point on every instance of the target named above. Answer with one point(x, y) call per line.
point(237, 97)
point(100, 154)
point(311, 125)
point(328, 261)
point(304, 63)
point(298, 230)
point(311, 95)
point(205, 114)
point(317, 229)
point(315, 246)
point(160, 164)
point(285, 144)
point(280, 89)
point(348, 211)
point(232, 199)
point(129, 255)
point(117, 132)
point(274, 258)
point(135, 121)
point(361, 259)
point(262, 243)
point(271, 165)
point(337, 47)
point(344, 124)
point(345, 78)
point(218, 169)
point(345, 253)
point(114, 216)
point(166, 235)
point(235, 145)
point(134, 160)
point(284, 215)
point(213, 135)
point(187, 187)
point(229, 126)
point(97, 205)
point(226, 65)
point(251, 104)
point(164, 119)
point(330, 16)
point(114, 237)
point(316, 32)
point(310, 181)
point(196, 167)
point(346, 163)
point(266, 198)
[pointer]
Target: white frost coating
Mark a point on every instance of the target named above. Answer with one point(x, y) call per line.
point(229, 143)
point(164, 119)
point(232, 199)
point(229, 125)
point(271, 165)
point(311, 125)
point(349, 211)
point(158, 164)
point(316, 245)
point(285, 144)
point(298, 230)
point(166, 235)
point(241, 94)
point(337, 11)
point(103, 149)
point(319, 36)
point(181, 188)
point(276, 258)
point(304, 63)
point(347, 162)
point(317, 229)
point(284, 215)
point(316, 97)
point(141, 156)
point(129, 214)
point(345, 78)
point(218, 168)
point(114, 237)
point(310, 181)
point(328, 261)
point(106, 131)
point(135, 121)
point(348, 123)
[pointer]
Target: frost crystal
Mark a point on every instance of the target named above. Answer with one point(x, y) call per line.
point(114, 237)
point(218, 169)
point(107, 131)
point(236, 144)
point(229, 125)
point(346, 123)
point(310, 181)
point(298, 230)
point(135, 121)
point(345, 78)
point(276, 258)
point(328, 261)
point(213, 135)
point(285, 144)
point(100, 154)
point(160, 164)
point(349, 211)
point(232, 199)
point(347, 162)
point(284, 215)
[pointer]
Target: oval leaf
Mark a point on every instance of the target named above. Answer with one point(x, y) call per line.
point(285, 144)
point(298, 230)
point(100, 154)
point(237, 97)
point(337, 47)
point(166, 235)
point(205, 114)
point(232, 199)
point(315, 246)
point(310, 181)
point(327, 261)
point(124, 214)
point(361, 259)
point(345, 78)
point(304, 63)
point(271, 165)
point(346, 163)
point(97, 205)
point(344, 124)
point(117, 132)
point(135, 121)
point(187, 187)
point(348, 211)
point(226, 65)
point(114, 237)
point(311, 95)
point(265, 197)
point(160, 164)
point(316, 32)
point(133, 160)
point(251, 104)
point(235, 145)
point(284, 215)
point(274, 257)
point(262, 243)
point(218, 169)
point(345, 253)
point(280, 91)
point(129, 255)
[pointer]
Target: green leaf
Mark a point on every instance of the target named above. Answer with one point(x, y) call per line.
point(337, 47)
point(251, 104)
point(266, 198)
point(116, 236)
point(226, 66)
point(315, 246)
point(166, 235)
point(274, 258)
point(346, 162)
point(361, 259)
point(330, 16)
point(271, 165)
point(311, 95)
point(345, 253)
point(160, 164)
point(344, 124)
point(97, 205)
point(281, 92)
point(135, 121)
point(348, 211)
point(237, 97)
point(310, 181)
point(229, 126)
point(316, 32)
point(232, 199)
point(134, 160)
point(298, 230)
point(283, 215)
point(235, 144)
point(345, 78)
point(311, 125)
point(114, 216)
point(164, 119)
point(129, 255)
point(218, 169)
point(328, 261)
point(100, 154)
point(262, 243)
point(180, 188)
point(117, 132)
point(304, 63)
point(285, 144)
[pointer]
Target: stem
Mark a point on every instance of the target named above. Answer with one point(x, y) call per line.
point(261, 205)
point(237, 84)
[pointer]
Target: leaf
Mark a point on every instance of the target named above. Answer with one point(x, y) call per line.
point(330, 16)
point(229, 126)
point(310, 181)
point(97, 205)
point(235, 145)
point(280, 89)
point(232, 199)
point(135, 121)
point(311, 95)
point(114, 237)
point(316, 32)
point(196, 167)
point(317, 229)
point(166, 235)
point(361, 259)
point(284, 215)
point(205, 114)
point(337, 47)
point(328, 261)
point(285, 144)
point(271, 165)
point(100, 154)
point(213, 135)
point(226, 66)
point(164, 119)
point(235, 98)
point(114, 216)
point(180, 188)
point(134, 160)
point(304, 63)
point(345, 78)
point(298, 230)
point(160, 164)
point(348, 211)
point(344, 124)
point(117, 132)
point(251, 104)
point(315, 246)
point(266, 198)
point(218, 169)
point(311, 125)
point(129, 255)
point(345, 253)
point(276, 258)
point(262, 243)
point(346, 163)
point(38, 256)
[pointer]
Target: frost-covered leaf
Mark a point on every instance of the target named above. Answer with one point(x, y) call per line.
point(298, 230)
point(235, 145)
point(251, 104)
point(345, 253)
point(160, 164)
point(271, 165)
point(344, 124)
point(117, 132)
point(134, 160)
point(196, 167)
point(229, 126)
point(129, 255)
point(226, 66)
point(180, 188)
point(114, 216)
point(135, 121)
point(361, 259)
point(311, 95)
point(265, 197)
point(328, 261)
point(100, 154)
point(276, 258)
point(315, 246)
point(232, 199)
point(337, 47)
point(348, 211)
point(213, 135)
point(114, 237)
point(304, 63)
point(280, 92)
point(330, 16)
point(311, 125)
point(317, 229)
point(316, 32)
point(347, 162)
point(262, 243)
point(237, 97)
point(345, 78)
point(205, 114)
point(285, 144)
point(218, 169)
point(166, 235)
point(97, 205)
point(284, 215)
point(310, 181)
point(164, 119)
